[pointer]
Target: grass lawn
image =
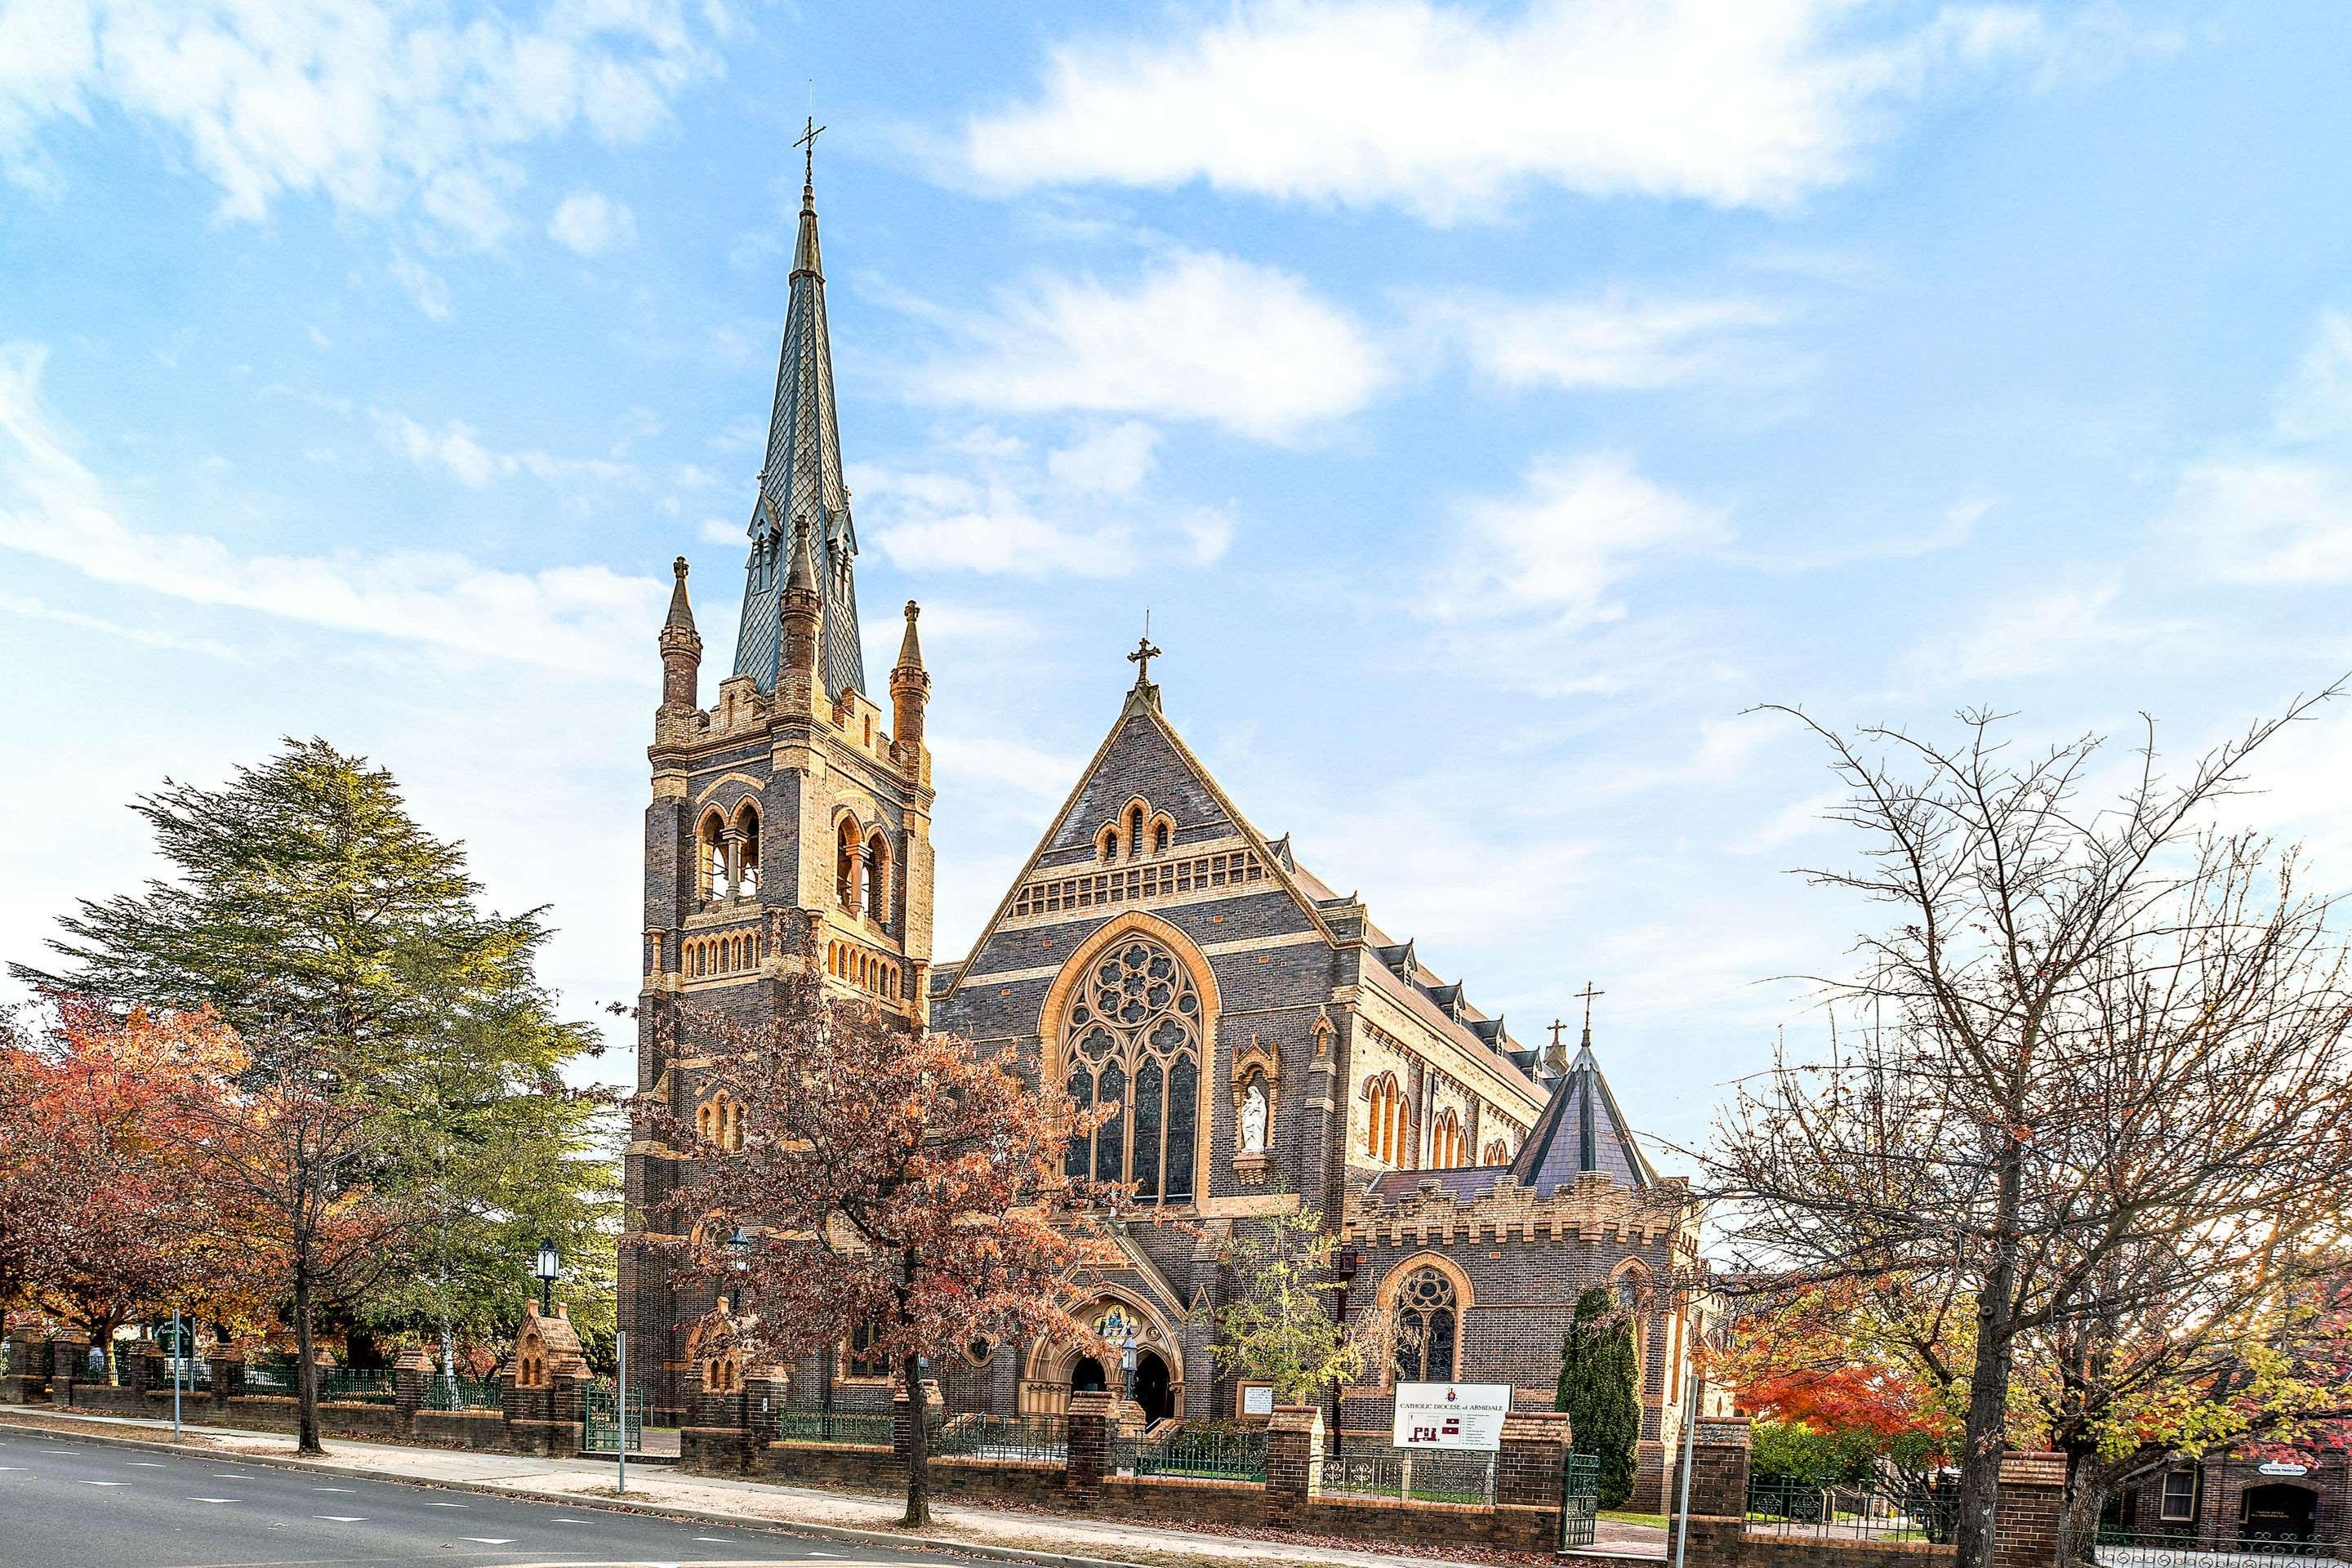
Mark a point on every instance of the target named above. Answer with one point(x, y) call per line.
point(1618, 1516)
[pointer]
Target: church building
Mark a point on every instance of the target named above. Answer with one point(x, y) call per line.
point(1267, 1045)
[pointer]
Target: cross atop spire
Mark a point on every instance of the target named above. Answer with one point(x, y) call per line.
point(1558, 1027)
point(1142, 658)
point(1588, 993)
point(807, 140)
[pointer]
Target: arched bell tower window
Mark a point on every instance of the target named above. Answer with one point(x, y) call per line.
point(1425, 1328)
point(847, 865)
point(1133, 1042)
point(747, 827)
point(877, 879)
point(710, 856)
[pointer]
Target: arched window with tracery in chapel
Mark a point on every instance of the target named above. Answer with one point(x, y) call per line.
point(1425, 1328)
point(1132, 1041)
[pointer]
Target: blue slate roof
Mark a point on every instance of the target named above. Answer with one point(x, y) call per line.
point(1581, 1130)
point(801, 480)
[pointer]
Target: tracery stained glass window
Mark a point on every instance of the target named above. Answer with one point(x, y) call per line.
point(1133, 1040)
point(1425, 1328)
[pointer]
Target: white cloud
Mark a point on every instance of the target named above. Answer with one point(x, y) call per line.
point(982, 501)
point(380, 108)
point(1577, 526)
point(453, 449)
point(591, 223)
point(2038, 631)
point(584, 618)
point(1449, 113)
point(1112, 460)
point(1198, 336)
point(1614, 343)
point(427, 287)
point(2278, 509)
point(26, 604)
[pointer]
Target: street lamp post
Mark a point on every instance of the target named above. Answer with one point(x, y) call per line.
point(548, 1265)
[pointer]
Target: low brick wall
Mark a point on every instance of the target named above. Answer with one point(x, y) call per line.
point(841, 1464)
point(1760, 1551)
point(462, 1428)
point(112, 1401)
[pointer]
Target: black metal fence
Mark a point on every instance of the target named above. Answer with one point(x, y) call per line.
point(869, 1428)
point(976, 1436)
point(356, 1386)
point(2180, 1549)
point(1411, 1475)
point(1866, 1510)
point(1202, 1452)
point(269, 1377)
point(445, 1393)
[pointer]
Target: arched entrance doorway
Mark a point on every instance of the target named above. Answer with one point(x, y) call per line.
point(1149, 1386)
point(2279, 1512)
point(1051, 1373)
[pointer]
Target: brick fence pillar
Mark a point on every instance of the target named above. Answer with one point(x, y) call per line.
point(766, 1392)
point(28, 1366)
point(69, 1362)
point(1718, 1493)
point(142, 1367)
point(2025, 1517)
point(717, 1436)
point(1092, 1420)
point(902, 1413)
point(1294, 1458)
point(412, 1385)
point(227, 1362)
point(1534, 1453)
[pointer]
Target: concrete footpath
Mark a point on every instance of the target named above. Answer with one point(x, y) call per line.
point(861, 1517)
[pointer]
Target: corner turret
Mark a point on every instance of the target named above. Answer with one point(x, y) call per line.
point(910, 693)
point(681, 649)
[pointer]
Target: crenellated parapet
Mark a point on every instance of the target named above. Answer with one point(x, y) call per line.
point(1438, 1213)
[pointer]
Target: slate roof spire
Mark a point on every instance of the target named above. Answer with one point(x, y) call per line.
point(802, 479)
point(1580, 1129)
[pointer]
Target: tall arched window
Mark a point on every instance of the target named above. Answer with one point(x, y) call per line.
point(1383, 1106)
point(846, 862)
point(877, 879)
point(747, 823)
point(1400, 1144)
point(1425, 1328)
point(710, 856)
point(1135, 832)
point(1133, 1041)
point(1445, 1142)
point(1496, 1154)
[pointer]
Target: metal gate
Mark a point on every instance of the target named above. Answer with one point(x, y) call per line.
point(606, 1429)
point(1579, 1498)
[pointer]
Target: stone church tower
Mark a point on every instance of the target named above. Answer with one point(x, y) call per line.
point(795, 809)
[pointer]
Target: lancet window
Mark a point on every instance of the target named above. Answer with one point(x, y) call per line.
point(1425, 1328)
point(1132, 1040)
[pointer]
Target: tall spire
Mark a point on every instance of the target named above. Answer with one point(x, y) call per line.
point(802, 479)
point(682, 647)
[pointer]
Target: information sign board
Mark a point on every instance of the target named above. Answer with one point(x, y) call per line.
point(1451, 1416)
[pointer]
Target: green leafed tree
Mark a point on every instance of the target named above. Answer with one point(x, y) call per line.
point(404, 1065)
point(1596, 1389)
point(1280, 1329)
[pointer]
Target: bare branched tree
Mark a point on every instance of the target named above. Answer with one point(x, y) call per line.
point(2096, 1069)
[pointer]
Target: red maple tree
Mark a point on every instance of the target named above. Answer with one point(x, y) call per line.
point(858, 1179)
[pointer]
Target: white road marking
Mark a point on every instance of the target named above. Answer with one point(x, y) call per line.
point(489, 1539)
point(334, 1488)
point(716, 1540)
point(216, 1500)
point(342, 1518)
point(146, 1464)
point(82, 1483)
point(11, 1466)
point(448, 1505)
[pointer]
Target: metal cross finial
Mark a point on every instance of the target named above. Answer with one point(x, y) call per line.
point(1589, 993)
point(808, 139)
point(1557, 1030)
point(1142, 658)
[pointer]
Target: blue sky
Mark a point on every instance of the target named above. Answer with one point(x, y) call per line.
point(1491, 403)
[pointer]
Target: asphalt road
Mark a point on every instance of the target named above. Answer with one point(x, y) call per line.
point(66, 1503)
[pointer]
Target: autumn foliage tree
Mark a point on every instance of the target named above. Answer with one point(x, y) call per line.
point(138, 1226)
point(400, 1073)
point(1280, 1328)
point(887, 1185)
point(2096, 1067)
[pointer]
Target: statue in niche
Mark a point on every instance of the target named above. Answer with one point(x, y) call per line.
point(1254, 1115)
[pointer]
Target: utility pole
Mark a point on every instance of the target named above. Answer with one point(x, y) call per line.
point(621, 1399)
